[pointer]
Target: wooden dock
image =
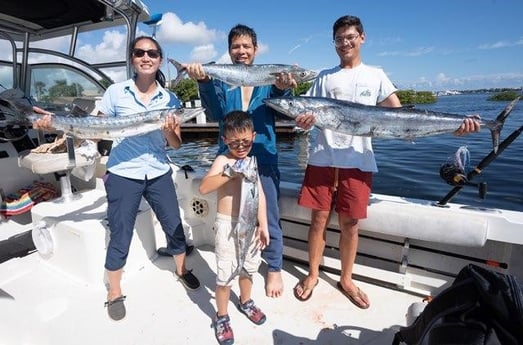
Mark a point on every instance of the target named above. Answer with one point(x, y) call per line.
point(207, 129)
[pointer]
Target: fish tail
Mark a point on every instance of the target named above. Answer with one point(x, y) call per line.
point(180, 72)
point(499, 122)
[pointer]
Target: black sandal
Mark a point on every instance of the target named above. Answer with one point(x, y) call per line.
point(116, 308)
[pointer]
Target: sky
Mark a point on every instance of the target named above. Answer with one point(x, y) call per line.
point(421, 45)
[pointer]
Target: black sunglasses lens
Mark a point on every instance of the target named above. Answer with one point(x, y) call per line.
point(138, 52)
point(152, 53)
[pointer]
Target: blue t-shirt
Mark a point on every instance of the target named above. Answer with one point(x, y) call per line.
point(141, 156)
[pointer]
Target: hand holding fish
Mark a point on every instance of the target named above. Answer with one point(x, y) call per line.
point(470, 124)
point(195, 71)
point(171, 123)
point(172, 131)
point(285, 81)
point(305, 121)
point(44, 122)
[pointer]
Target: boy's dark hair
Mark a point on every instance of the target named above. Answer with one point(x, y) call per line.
point(347, 21)
point(242, 30)
point(160, 77)
point(237, 121)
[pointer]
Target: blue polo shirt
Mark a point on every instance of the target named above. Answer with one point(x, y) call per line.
point(141, 156)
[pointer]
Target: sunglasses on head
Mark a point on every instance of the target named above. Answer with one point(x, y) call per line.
point(152, 53)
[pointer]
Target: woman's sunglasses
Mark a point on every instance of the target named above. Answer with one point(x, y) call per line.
point(152, 53)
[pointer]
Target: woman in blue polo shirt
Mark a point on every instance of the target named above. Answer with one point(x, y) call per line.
point(138, 166)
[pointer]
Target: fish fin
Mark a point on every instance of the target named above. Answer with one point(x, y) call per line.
point(180, 72)
point(506, 112)
point(500, 121)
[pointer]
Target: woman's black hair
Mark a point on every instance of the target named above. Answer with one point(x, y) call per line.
point(160, 77)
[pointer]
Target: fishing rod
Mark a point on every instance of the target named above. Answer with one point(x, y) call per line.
point(482, 165)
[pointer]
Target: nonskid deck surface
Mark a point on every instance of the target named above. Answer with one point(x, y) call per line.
point(44, 307)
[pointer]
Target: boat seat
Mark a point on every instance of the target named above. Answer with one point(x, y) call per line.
point(61, 164)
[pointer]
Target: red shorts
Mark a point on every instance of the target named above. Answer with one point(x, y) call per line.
point(352, 193)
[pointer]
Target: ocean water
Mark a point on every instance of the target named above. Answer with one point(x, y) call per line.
point(411, 169)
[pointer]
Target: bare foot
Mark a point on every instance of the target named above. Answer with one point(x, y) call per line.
point(274, 284)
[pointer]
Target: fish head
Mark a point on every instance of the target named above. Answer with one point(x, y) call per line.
point(302, 75)
point(187, 114)
point(289, 106)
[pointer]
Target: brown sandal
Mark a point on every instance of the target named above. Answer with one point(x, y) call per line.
point(304, 289)
point(359, 295)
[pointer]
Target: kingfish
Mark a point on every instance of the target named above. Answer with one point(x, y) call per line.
point(83, 126)
point(248, 75)
point(245, 229)
point(112, 127)
point(380, 122)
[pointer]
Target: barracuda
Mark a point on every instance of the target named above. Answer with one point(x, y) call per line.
point(248, 75)
point(380, 122)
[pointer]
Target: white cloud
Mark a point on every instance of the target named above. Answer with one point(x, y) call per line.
point(414, 52)
point(172, 29)
point(501, 44)
point(112, 48)
point(60, 44)
point(262, 48)
point(441, 78)
point(470, 82)
point(225, 58)
point(203, 53)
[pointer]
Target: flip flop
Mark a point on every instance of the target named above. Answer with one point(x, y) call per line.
point(301, 284)
point(353, 297)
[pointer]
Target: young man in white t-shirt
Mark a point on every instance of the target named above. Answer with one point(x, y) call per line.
point(340, 167)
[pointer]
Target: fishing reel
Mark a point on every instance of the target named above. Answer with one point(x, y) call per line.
point(453, 172)
point(455, 176)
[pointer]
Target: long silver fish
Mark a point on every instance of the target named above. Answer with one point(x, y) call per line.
point(83, 126)
point(112, 127)
point(381, 122)
point(248, 75)
point(245, 229)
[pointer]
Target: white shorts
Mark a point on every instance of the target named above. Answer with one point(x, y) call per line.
point(226, 251)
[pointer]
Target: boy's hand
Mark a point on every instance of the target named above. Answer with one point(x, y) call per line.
point(262, 238)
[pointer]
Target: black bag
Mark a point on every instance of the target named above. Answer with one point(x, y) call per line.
point(481, 307)
point(17, 246)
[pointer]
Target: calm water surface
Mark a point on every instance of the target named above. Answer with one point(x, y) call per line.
point(411, 169)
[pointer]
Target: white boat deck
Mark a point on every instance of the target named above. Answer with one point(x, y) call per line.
point(58, 298)
point(45, 307)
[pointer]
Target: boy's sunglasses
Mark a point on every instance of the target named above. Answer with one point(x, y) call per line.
point(234, 145)
point(152, 53)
